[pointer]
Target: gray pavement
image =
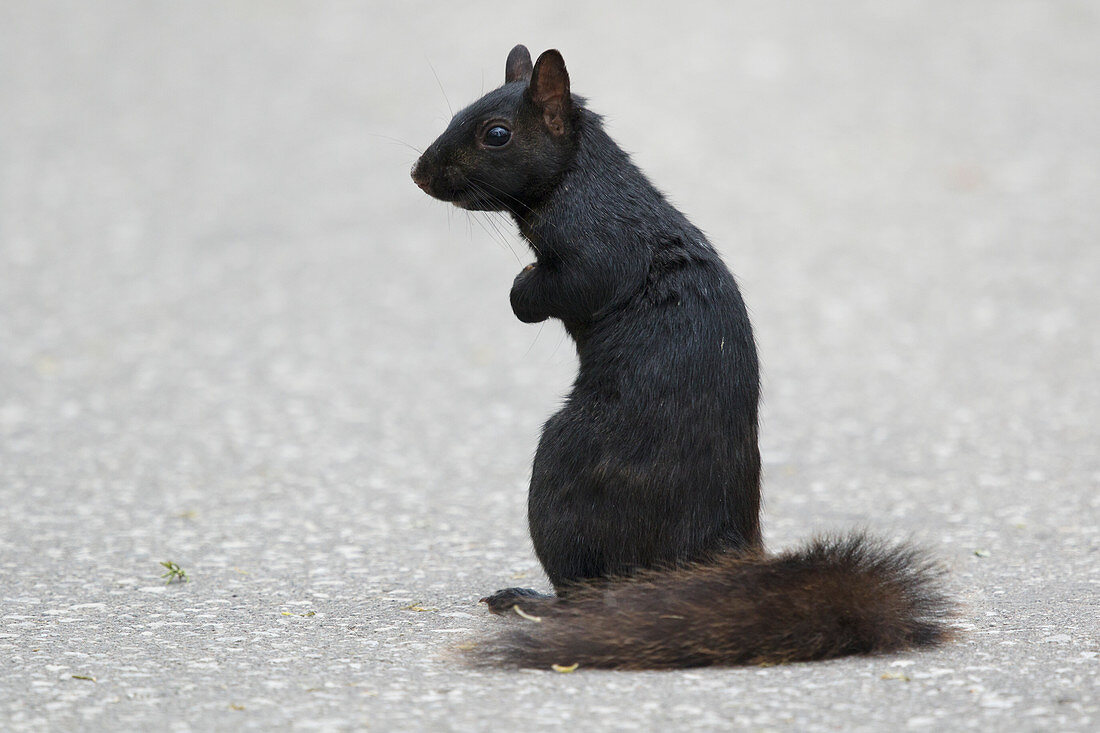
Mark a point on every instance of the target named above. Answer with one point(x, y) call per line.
point(235, 336)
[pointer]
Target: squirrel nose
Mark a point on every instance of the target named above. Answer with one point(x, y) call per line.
point(420, 178)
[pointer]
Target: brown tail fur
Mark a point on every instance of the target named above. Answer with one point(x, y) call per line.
point(834, 597)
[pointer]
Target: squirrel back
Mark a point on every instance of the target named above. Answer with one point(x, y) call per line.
point(645, 490)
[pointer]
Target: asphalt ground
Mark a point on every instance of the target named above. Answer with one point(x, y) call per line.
point(235, 336)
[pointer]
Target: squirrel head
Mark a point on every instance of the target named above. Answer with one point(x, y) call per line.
point(509, 148)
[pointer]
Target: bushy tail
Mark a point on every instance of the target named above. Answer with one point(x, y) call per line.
point(834, 597)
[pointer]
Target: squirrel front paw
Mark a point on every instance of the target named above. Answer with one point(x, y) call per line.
point(525, 297)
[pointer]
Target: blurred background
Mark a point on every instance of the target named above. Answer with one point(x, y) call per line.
point(234, 334)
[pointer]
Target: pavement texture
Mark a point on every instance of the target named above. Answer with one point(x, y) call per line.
point(235, 336)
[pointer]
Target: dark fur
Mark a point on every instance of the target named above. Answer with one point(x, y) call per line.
point(835, 597)
point(645, 490)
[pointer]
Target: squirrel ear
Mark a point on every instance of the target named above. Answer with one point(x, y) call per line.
point(518, 65)
point(549, 90)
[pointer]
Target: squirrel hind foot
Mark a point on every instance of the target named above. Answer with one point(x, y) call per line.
point(504, 600)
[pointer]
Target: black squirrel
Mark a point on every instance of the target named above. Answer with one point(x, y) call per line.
point(645, 491)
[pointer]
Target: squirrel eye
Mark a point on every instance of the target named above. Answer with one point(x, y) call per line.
point(497, 135)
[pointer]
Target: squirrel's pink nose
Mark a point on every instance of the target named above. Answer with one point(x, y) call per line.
point(420, 178)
